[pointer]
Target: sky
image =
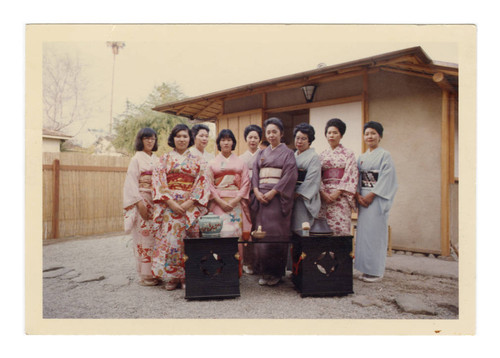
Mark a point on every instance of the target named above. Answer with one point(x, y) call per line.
point(205, 58)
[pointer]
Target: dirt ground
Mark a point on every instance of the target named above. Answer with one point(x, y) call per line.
point(95, 278)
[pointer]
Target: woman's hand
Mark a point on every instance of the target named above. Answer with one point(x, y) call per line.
point(270, 195)
point(187, 205)
point(260, 197)
point(143, 210)
point(366, 200)
point(176, 208)
point(330, 198)
point(224, 205)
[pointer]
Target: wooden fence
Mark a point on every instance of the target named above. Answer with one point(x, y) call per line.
point(82, 194)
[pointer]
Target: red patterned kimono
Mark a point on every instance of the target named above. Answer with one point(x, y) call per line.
point(339, 171)
point(180, 178)
point(137, 188)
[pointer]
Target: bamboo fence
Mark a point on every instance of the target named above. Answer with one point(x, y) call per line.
point(82, 194)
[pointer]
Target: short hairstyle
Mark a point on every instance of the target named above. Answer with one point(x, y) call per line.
point(276, 121)
point(178, 128)
point(145, 133)
point(252, 128)
point(305, 128)
point(198, 127)
point(337, 123)
point(374, 125)
point(226, 133)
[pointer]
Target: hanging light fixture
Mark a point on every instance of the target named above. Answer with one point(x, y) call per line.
point(309, 92)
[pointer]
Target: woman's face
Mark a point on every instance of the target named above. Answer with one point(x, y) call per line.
point(181, 141)
point(371, 138)
point(148, 144)
point(301, 142)
point(333, 136)
point(253, 141)
point(201, 139)
point(273, 134)
point(226, 146)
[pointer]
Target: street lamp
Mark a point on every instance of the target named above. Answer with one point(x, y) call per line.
point(115, 46)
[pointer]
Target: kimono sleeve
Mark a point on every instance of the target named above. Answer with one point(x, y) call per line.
point(211, 180)
point(200, 193)
point(244, 191)
point(159, 182)
point(350, 179)
point(289, 174)
point(131, 193)
point(311, 184)
point(387, 185)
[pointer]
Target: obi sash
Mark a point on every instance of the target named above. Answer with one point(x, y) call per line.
point(369, 178)
point(302, 176)
point(145, 180)
point(332, 174)
point(226, 180)
point(180, 181)
point(269, 175)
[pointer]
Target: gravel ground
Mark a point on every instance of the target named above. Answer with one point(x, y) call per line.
point(95, 278)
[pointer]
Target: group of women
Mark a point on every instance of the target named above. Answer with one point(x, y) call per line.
point(272, 188)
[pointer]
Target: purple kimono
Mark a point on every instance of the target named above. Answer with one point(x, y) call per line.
point(274, 169)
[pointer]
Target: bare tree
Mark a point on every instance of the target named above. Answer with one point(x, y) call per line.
point(63, 91)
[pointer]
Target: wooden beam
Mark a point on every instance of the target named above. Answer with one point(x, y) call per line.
point(445, 174)
point(410, 73)
point(329, 102)
point(84, 168)
point(364, 109)
point(442, 82)
point(55, 199)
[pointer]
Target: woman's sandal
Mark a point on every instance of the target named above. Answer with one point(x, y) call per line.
point(152, 282)
point(171, 285)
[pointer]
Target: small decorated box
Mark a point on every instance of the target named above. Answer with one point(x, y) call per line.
point(322, 265)
point(212, 267)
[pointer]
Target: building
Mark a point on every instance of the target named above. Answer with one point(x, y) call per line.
point(52, 140)
point(414, 97)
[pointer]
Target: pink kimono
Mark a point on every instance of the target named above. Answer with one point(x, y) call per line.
point(339, 171)
point(137, 188)
point(228, 179)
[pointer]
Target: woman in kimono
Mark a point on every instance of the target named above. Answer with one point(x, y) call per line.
point(253, 137)
point(376, 191)
point(200, 136)
point(307, 199)
point(180, 194)
point(229, 189)
point(273, 181)
point(339, 179)
point(138, 204)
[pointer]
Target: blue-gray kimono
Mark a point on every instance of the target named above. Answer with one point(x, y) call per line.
point(377, 174)
point(308, 203)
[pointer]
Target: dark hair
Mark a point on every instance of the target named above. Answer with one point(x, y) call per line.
point(198, 127)
point(145, 133)
point(374, 125)
point(305, 128)
point(226, 133)
point(178, 128)
point(252, 128)
point(276, 121)
point(265, 143)
point(337, 123)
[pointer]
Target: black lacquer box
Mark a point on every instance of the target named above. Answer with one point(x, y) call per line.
point(322, 265)
point(212, 267)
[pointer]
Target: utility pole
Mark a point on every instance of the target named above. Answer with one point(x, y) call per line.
point(115, 46)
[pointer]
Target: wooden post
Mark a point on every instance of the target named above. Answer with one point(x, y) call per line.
point(55, 199)
point(445, 174)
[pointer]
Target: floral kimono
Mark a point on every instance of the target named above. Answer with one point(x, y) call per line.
point(180, 178)
point(137, 188)
point(339, 171)
point(229, 179)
